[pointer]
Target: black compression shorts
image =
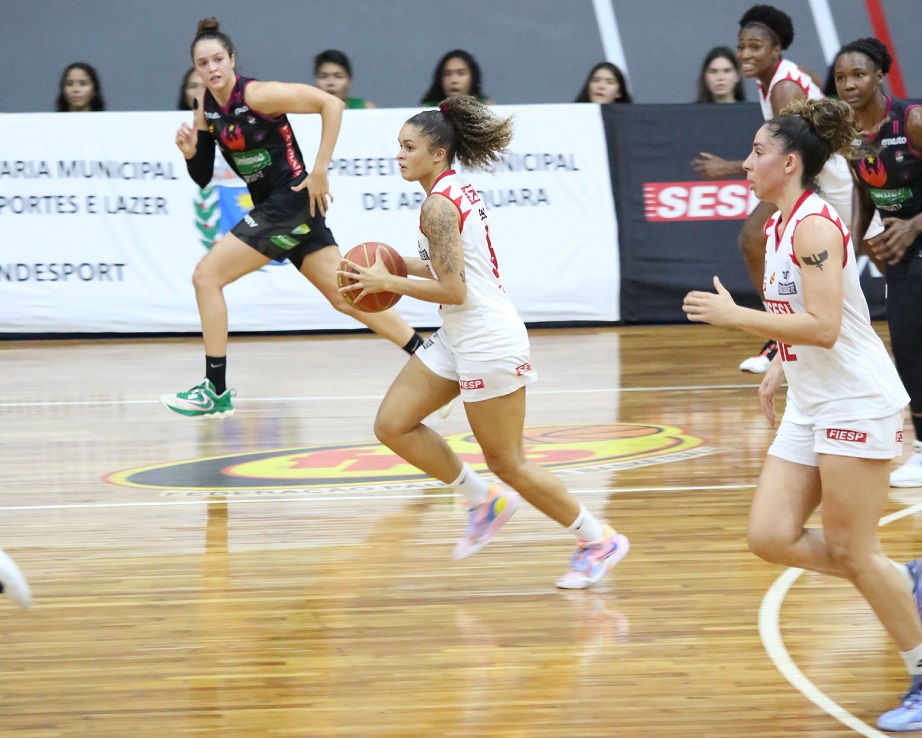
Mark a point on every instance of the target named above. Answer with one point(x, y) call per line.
point(281, 227)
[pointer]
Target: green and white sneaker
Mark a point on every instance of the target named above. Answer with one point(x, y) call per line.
point(200, 401)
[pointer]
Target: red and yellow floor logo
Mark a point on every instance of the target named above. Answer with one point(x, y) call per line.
point(555, 447)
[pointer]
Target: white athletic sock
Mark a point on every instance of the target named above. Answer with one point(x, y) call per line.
point(473, 489)
point(913, 660)
point(904, 572)
point(586, 526)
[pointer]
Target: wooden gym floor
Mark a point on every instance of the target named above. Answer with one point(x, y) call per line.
point(302, 584)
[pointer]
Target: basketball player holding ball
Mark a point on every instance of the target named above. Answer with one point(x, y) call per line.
point(481, 352)
point(248, 119)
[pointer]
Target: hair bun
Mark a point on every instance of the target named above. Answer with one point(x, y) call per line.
point(208, 25)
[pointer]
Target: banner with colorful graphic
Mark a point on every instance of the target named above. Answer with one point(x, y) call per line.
point(101, 227)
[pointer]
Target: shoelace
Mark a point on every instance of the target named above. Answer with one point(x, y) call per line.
point(581, 559)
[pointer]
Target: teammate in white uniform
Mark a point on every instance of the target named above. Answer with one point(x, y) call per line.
point(844, 417)
point(764, 33)
point(481, 352)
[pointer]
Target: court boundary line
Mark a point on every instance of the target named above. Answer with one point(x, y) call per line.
point(773, 643)
point(218, 499)
point(341, 398)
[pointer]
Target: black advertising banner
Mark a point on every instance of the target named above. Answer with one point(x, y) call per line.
point(676, 229)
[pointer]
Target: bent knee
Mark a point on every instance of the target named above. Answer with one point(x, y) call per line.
point(389, 428)
point(506, 468)
point(339, 303)
point(769, 544)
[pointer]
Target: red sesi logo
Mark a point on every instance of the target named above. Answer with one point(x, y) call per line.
point(471, 384)
point(838, 434)
point(899, 436)
point(722, 200)
point(525, 368)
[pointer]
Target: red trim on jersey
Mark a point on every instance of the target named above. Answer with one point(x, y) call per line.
point(879, 23)
point(824, 213)
point(446, 193)
point(774, 72)
point(441, 177)
point(800, 201)
point(295, 164)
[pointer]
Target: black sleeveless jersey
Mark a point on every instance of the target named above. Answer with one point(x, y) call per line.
point(262, 150)
point(892, 175)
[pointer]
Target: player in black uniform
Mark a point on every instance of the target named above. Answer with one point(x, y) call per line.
point(248, 120)
point(888, 170)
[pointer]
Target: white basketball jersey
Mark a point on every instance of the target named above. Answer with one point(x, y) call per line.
point(787, 70)
point(486, 326)
point(835, 180)
point(853, 380)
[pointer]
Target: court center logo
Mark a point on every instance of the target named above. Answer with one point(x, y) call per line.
point(372, 467)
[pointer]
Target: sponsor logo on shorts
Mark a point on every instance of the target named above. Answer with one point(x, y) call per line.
point(250, 221)
point(302, 229)
point(838, 434)
point(899, 436)
point(471, 384)
point(520, 370)
point(285, 242)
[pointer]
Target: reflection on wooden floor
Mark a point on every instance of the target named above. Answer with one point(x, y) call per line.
point(311, 607)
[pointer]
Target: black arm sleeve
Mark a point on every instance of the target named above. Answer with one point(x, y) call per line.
point(201, 166)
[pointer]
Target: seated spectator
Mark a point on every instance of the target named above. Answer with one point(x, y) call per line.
point(79, 90)
point(333, 74)
point(189, 90)
point(604, 85)
point(720, 80)
point(457, 73)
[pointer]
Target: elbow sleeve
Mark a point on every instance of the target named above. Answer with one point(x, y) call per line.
point(201, 166)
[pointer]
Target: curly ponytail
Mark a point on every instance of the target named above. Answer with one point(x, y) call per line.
point(467, 130)
point(815, 129)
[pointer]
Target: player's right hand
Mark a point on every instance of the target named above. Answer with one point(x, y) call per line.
point(187, 140)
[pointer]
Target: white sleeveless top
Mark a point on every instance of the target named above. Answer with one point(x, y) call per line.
point(835, 180)
point(853, 380)
point(486, 326)
point(787, 70)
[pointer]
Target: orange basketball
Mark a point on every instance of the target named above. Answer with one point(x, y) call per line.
point(366, 254)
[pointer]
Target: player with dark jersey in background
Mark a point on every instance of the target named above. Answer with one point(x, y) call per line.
point(888, 170)
point(248, 119)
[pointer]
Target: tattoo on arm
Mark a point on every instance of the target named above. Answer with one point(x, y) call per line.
point(817, 259)
point(440, 224)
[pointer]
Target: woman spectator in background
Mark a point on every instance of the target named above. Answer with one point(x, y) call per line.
point(79, 90)
point(333, 74)
point(457, 73)
point(720, 80)
point(190, 90)
point(604, 85)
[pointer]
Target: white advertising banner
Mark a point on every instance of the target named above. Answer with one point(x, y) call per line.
point(101, 226)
